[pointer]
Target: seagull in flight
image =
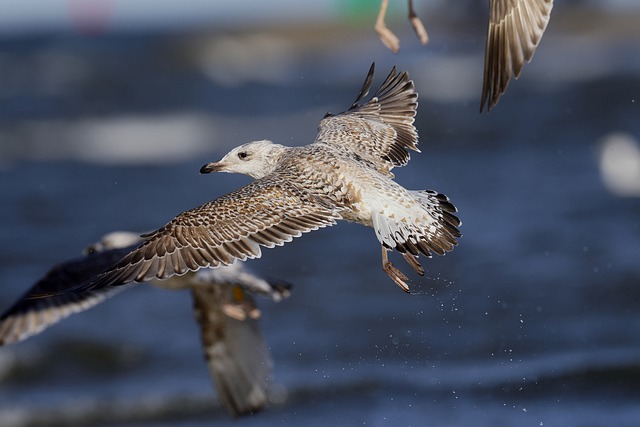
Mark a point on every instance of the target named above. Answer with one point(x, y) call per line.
point(236, 354)
point(344, 175)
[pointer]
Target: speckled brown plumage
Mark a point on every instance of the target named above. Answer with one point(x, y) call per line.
point(344, 174)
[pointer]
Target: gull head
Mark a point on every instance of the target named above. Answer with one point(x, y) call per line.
point(256, 159)
point(113, 240)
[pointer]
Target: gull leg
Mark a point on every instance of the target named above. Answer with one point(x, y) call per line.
point(388, 38)
point(413, 262)
point(254, 313)
point(241, 308)
point(395, 274)
point(234, 311)
point(241, 311)
point(416, 23)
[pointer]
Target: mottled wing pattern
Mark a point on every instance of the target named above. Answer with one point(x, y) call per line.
point(515, 29)
point(46, 303)
point(235, 352)
point(381, 130)
point(268, 212)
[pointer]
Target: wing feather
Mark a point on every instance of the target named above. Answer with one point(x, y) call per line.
point(515, 29)
point(267, 212)
point(35, 311)
point(235, 352)
point(381, 130)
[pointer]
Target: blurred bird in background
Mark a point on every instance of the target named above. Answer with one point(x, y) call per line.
point(515, 29)
point(236, 354)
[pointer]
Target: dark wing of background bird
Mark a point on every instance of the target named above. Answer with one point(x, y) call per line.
point(267, 212)
point(47, 302)
point(381, 130)
point(236, 354)
point(515, 29)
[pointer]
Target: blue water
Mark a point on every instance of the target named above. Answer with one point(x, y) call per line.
point(534, 320)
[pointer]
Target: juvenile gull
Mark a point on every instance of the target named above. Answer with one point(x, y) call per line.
point(344, 174)
point(514, 31)
point(235, 352)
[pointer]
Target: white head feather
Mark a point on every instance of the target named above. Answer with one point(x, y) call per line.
point(256, 159)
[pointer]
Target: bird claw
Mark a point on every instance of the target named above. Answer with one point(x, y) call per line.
point(241, 312)
point(234, 311)
point(388, 38)
point(396, 275)
point(386, 35)
point(418, 27)
point(241, 308)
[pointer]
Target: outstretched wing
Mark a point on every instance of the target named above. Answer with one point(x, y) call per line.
point(515, 29)
point(32, 313)
point(381, 130)
point(236, 354)
point(268, 212)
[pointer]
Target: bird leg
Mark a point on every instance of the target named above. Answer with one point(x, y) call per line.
point(413, 262)
point(416, 23)
point(388, 38)
point(241, 311)
point(240, 308)
point(395, 274)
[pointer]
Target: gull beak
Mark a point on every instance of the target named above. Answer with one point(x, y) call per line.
point(212, 167)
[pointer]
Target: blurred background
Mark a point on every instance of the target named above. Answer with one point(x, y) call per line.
point(109, 108)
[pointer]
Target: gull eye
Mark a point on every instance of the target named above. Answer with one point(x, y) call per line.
point(242, 155)
point(91, 250)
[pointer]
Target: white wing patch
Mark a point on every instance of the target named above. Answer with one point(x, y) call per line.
point(393, 232)
point(432, 229)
